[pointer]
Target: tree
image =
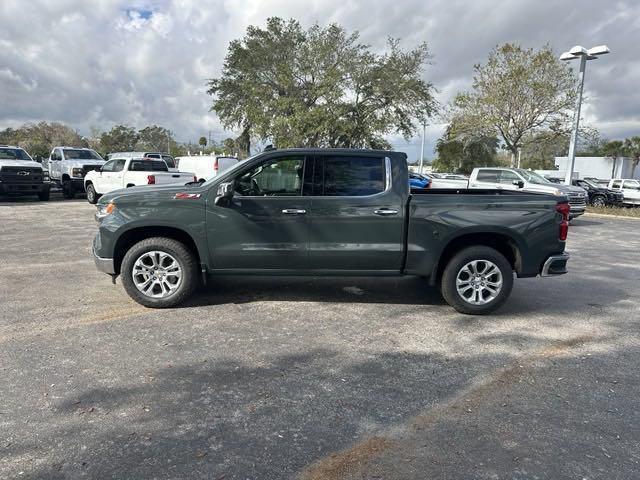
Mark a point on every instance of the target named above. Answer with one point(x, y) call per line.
point(613, 149)
point(154, 138)
point(319, 88)
point(120, 138)
point(540, 148)
point(460, 155)
point(632, 149)
point(516, 94)
point(202, 142)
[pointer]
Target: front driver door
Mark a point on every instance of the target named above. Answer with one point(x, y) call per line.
point(264, 226)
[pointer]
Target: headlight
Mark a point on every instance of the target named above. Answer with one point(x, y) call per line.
point(76, 172)
point(557, 192)
point(45, 175)
point(104, 210)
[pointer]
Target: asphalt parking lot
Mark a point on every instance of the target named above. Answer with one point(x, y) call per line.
point(263, 378)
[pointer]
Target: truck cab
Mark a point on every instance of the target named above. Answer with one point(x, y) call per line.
point(20, 175)
point(69, 165)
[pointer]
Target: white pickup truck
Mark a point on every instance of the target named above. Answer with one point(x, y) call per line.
point(630, 189)
point(120, 173)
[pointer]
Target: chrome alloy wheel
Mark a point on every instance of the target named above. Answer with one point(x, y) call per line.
point(157, 274)
point(479, 282)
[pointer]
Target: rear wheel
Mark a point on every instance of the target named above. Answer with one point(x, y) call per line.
point(92, 196)
point(477, 280)
point(159, 272)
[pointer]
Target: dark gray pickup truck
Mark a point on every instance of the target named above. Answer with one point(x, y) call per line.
point(328, 212)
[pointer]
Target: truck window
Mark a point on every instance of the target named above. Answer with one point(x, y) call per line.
point(118, 165)
point(489, 176)
point(168, 159)
point(108, 167)
point(13, 154)
point(508, 177)
point(278, 177)
point(350, 176)
point(616, 184)
point(147, 166)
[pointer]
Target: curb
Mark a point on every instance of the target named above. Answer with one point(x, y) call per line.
point(604, 215)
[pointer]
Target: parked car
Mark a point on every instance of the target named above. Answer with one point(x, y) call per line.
point(20, 175)
point(205, 167)
point(419, 181)
point(328, 212)
point(168, 159)
point(130, 172)
point(528, 181)
point(600, 196)
point(555, 180)
point(629, 188)
point(441, 180)
point(69, 165)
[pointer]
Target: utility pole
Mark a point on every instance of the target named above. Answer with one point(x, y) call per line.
point(424, 128)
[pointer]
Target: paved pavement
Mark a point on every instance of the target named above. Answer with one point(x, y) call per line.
point(263, 378)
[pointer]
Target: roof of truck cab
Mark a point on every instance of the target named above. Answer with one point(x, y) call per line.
point(334, 150)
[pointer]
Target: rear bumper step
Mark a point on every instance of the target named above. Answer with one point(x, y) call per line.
point(555, 265)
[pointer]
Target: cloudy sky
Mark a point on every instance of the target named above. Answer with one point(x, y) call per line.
point(101, 62)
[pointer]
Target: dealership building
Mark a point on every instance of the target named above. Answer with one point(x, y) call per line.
point(599, 167)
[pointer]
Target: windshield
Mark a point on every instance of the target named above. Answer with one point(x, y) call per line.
point(77, 154)
point(533, 177)
point(590, 183)
point(14, 154)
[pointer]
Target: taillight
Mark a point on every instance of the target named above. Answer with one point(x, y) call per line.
point(564, 209)
point(215, 165)
point(151, 179)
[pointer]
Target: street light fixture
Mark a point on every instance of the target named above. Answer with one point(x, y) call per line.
point(583, 54)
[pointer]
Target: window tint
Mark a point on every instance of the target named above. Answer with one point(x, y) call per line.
point(168, 159)
point(508, 177)
point(277, 177)
point(118, 165)
point(350, 176)
point(490, 176)
point(616, 184)
point(147, 166)
point(73, 154)
point(108, 167)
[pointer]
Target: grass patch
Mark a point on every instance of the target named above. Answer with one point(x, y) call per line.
point(620, 211)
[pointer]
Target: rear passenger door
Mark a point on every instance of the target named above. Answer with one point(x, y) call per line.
point(356, 218)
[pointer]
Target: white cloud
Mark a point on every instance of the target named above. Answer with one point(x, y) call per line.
point(139, 62)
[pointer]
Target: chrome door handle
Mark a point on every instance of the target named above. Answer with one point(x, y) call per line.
point(385, 211)
point(294, 211)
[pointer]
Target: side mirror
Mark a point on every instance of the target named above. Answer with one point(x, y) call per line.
point(518, 183)
point(225, 193)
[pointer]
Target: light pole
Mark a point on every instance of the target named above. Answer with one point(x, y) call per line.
point(424, 128)
point(583, 54)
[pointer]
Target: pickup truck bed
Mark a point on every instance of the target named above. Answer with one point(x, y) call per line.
point(329, 212)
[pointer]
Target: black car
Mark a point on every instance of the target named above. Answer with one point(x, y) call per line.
point(599, 196)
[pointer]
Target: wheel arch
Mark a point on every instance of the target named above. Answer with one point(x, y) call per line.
point(135, 235)
point(504, 243)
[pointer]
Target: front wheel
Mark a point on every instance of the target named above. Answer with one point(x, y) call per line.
point(598, 201)
point(92, 195)
point(159, 272)
point(68, 191)
point(477, 280)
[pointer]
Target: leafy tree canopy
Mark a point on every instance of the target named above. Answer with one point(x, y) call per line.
point(516, 94)
point(457, 154)
point(320, 87)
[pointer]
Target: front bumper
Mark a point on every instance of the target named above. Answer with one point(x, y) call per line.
point(104, 265)
point(23, 188)
point(555, 265)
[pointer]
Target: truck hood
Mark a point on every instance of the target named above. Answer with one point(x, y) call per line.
point(19, 163)
point(552, 187)
point(81, 163)
point(156, 191)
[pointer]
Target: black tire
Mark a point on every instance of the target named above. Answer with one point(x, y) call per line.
point(44, 195)
point(454, 267)
point(92, 195)
point(68, 191)
point(185, 258)
point(599, 201)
